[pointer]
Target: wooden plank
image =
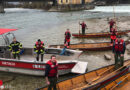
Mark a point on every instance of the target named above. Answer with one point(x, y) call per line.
point(89, 76)
point(65, 85)
point(109, 86)
point(119, 81)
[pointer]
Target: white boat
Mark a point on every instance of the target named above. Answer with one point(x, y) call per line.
point(28, 65)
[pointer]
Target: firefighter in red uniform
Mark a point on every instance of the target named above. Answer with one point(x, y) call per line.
point(113, 34)
point(39, 49)
point(83, 25)
point(67, 38)
point(111, 23)
point(51, 73)
point(119, 50)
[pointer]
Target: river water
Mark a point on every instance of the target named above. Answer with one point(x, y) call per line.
point(33, 24)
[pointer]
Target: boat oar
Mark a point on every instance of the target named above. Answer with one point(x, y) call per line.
point(95, 79)
point(79, 27)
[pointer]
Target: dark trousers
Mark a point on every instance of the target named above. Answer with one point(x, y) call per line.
point(112, 40)
point(110, 27)
point(68, 43)
point(119, 60)
point(38, 54)
point(83, 31)
point(16, 55)
point(53, 81)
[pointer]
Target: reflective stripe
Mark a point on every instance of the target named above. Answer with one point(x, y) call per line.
point(17, 52)
point(20, 46)
point(36, 50)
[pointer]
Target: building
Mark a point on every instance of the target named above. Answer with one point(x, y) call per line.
point(73, 1)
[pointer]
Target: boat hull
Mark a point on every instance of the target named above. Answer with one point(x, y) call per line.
point(95, 87)
point(121, 83)
point(103, 46)
point(99, 35)
point(33, 68)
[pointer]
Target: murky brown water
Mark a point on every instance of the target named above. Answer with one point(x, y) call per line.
point(50, 27)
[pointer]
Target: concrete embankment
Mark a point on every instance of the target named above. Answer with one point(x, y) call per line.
point(76, 7)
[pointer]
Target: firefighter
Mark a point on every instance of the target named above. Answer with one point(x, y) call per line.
point(67, 38)
point(39, 49)
point(15, 47)
point(51, 73)
point(83, 25)
point(111, 23)
point(119, 50)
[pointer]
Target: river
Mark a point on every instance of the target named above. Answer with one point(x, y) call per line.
point(35, 24)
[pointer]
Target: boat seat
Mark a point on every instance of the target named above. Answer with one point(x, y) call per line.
point(65, 85)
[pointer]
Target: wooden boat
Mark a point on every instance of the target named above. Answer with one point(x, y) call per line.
point(89, 46)
point(121, 83)
point(28, 65)
point(100, 34)
point(93, 79)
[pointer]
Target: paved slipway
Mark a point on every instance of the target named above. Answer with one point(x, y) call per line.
point(50, 27)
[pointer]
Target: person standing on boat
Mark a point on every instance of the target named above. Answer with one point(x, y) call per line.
point(83, 25)
point(113, 34)
point(39, 49)
point(67, 38)
point(15, 47)
point(119, 50)
point(111, 23)
point(51, 73)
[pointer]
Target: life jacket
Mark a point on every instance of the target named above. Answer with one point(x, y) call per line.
point(39, 46)
point(67, 35)
point(53, 71)
point(1, 83)
point(83, 25)
point(113, 34)
point(119, 46)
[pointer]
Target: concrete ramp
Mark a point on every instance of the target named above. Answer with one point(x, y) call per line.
point(80, 67)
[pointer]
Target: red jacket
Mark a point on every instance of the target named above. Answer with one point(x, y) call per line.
point(119, 46)
point(111, 23)
point(39, 47)
point(83, 25)
point(53, 69)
